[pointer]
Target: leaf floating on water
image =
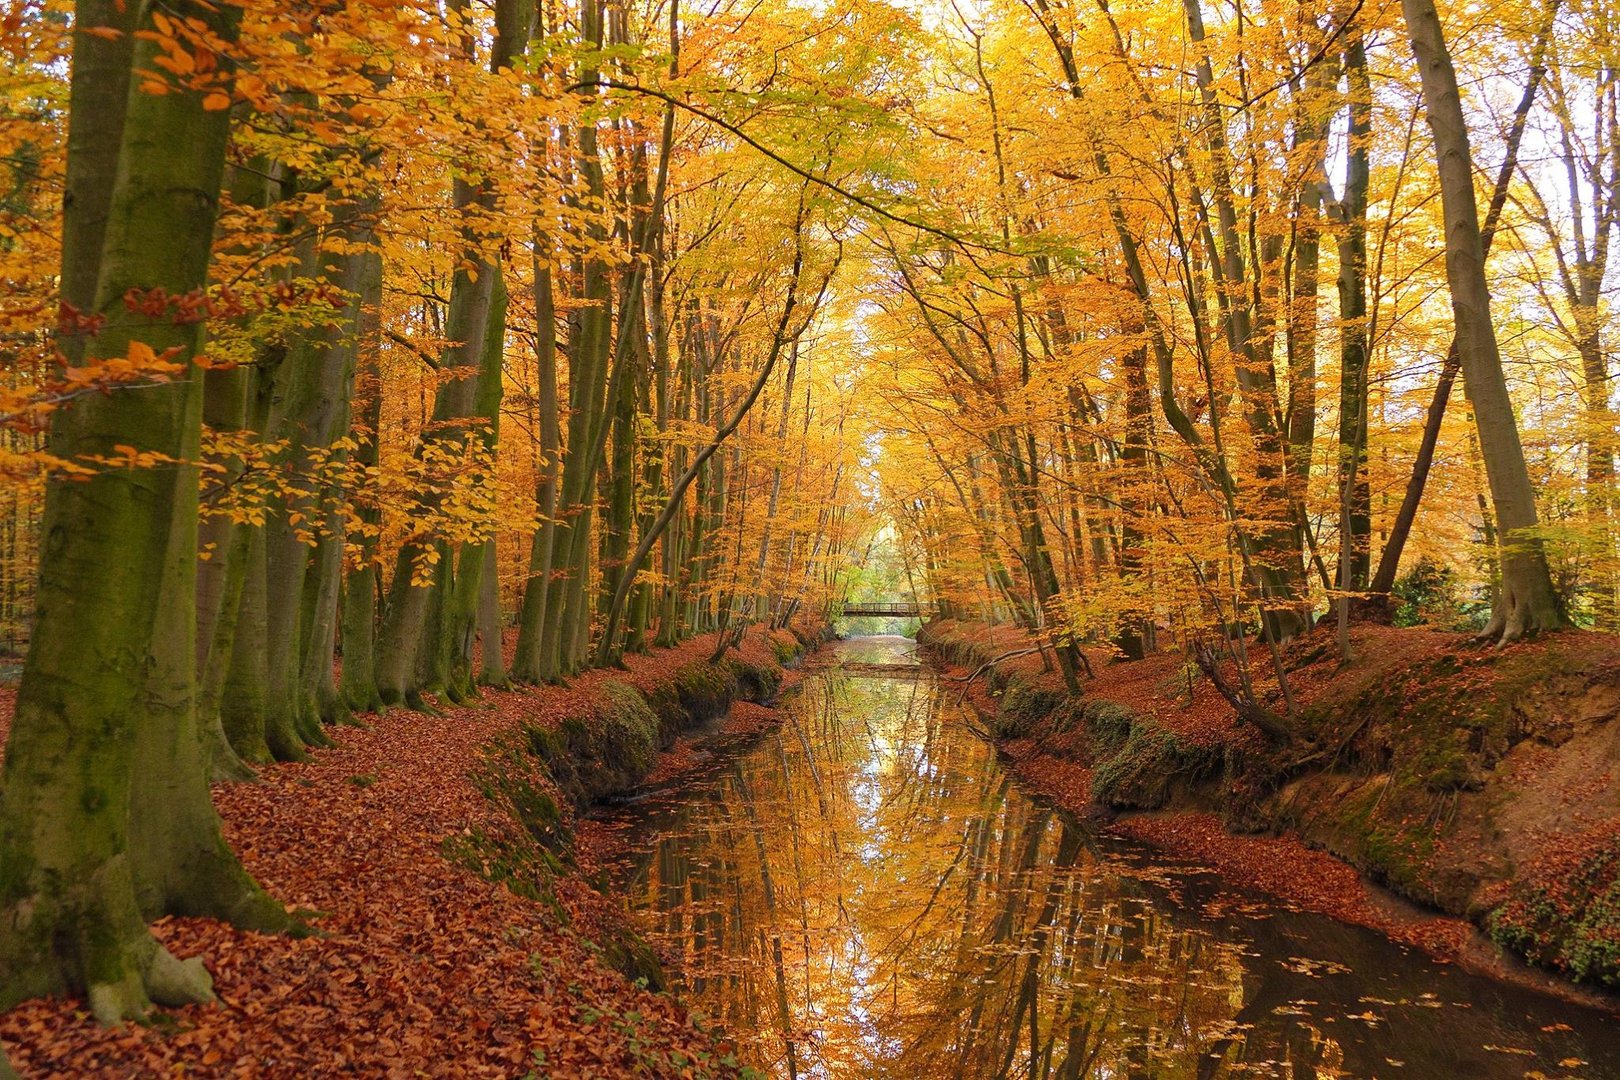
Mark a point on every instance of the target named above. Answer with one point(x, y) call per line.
point(1314, 968)
point(1423, 1001)
point(1521, 1051)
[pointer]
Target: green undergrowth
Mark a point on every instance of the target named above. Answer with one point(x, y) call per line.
point(1564, 912)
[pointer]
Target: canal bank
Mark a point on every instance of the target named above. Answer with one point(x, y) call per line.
point(1473, 789)
point(864, 891)
point(451, 931)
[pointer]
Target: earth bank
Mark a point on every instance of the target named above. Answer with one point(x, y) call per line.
point(453, 931)
point(1475, 783)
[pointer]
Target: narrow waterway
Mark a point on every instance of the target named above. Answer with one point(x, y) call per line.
point(864, 892)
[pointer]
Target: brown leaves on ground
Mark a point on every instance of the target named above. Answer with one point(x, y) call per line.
point(421, 968)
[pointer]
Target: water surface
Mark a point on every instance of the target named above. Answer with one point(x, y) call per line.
point(864, 892)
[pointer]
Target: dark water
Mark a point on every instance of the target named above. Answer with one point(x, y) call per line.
point(865, 893)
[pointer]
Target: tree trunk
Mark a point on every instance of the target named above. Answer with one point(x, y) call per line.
point(1528, 602)
point(527, 664)
point(568, 599)
point(358, 685)
point(492, 656)
point(406, 621)
point(472, 299)
point(1355, 519)
point(105, 736)
point(1390, 560)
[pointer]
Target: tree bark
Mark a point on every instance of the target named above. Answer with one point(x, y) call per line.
point(1389, 561)
point(105, 737)
point(358, 683)
point(1528, 602)
point(1355, 518)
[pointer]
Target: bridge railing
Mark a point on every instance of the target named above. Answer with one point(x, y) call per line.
point(897, 609)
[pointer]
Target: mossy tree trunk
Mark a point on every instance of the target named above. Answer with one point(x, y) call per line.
point(527, 664)
point(309, 413)
point(410, 598)
point(358, 685)
point(231, 626)
point(492, 655)
point(224, 545)
point(105, 818)
point(463, 616)
point(568, 599)
point(485, 622)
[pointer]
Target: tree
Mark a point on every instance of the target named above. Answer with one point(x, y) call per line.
point(1528, 602)
point(106, 819)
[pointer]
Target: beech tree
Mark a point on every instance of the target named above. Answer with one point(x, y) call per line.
point(1527, 602)
point(106, 820)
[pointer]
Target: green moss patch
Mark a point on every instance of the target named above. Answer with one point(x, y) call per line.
point(1025, 709)
point(1150, 765)
point(529, 840)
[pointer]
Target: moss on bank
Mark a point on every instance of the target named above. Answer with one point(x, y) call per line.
point(1472, 782)
point(541, 774)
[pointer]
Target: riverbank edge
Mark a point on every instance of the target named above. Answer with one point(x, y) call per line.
point(426, 959)
point(542, 779)
point(1225, 804)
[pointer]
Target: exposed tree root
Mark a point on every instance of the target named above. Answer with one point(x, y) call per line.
point(225, 765)
point(308, 727)
point(1513, 619)
point(161, 979)
point(416, 702)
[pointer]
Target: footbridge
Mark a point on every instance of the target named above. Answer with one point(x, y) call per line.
point(887, 609)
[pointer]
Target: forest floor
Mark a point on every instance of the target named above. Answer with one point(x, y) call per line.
point(419, 965)
point(1457, 799)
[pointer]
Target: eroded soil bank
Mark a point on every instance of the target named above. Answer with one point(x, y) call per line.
point(454, 932)
point(1476, 784)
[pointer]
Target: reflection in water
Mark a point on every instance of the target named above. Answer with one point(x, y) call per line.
point(864, 893)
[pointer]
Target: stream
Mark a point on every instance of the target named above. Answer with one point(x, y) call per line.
point(865, 892)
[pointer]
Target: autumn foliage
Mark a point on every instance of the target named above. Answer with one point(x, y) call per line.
point(361, 356)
